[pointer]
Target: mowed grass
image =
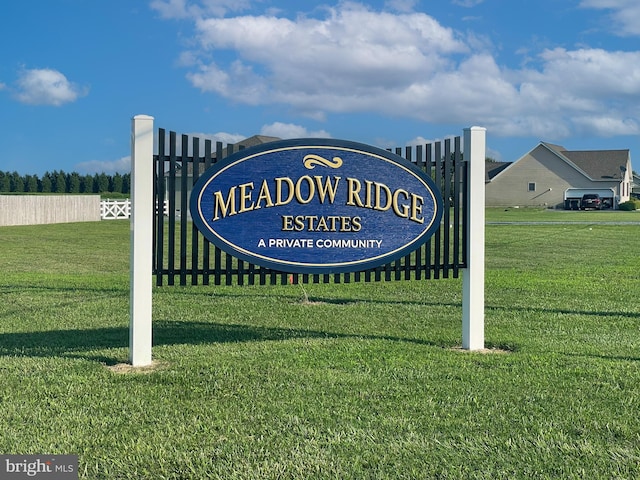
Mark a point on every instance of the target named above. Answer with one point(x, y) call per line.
point(365, 382)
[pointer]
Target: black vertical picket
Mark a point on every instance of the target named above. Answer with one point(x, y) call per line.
point(159, 210)
point(446, 214)
point(437, 259)
point(195, 168)
point(172, 208)
point(457, 157)
point(184, 166)
point(418, 253)
point(206, 247)
point(407, 259)
point(217, 253)
point(397, 266)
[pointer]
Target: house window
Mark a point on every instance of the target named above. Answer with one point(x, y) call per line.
point(532, 187)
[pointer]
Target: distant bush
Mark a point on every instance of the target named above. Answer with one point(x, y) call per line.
point(61, 182)
point(629, 205)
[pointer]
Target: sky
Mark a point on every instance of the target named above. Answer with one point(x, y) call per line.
point(387, 73)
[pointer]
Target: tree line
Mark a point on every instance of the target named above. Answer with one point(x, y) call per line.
point(62, 182)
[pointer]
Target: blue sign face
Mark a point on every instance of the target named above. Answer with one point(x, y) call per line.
point(316, 206)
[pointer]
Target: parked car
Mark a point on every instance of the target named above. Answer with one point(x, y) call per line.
point(591, 200)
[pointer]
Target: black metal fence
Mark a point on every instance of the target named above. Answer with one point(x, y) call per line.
point(181, 254)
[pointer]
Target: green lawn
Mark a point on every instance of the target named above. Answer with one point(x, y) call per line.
point(535, 214)
point(365, 382)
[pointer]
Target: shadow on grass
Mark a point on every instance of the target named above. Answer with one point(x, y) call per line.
point(74, 343)
point(404, 302)
point(80, 343)
point(564, 311)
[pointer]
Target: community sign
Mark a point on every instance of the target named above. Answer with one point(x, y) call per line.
point(316, 206)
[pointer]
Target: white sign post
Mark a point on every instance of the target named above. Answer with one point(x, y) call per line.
point(473, 275)
point(141, 262)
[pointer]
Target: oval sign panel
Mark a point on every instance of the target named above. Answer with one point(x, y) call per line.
point(316, 206)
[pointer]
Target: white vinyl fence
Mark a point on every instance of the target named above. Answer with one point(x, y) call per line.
point(117, 209)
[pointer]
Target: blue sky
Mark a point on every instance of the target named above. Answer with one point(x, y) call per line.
point(388, 73)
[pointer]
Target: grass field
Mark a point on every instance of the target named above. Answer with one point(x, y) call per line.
point(365, 382)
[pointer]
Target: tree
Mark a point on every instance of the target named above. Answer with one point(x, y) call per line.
point(31, 183)
point(16, 182)
point(103, 183)
point(96, 184)
point(126, 183)
point(74, 183)
point(86, 184)
point(115, 185)
point(45, 183)
point(5, 184)
point(60, 182)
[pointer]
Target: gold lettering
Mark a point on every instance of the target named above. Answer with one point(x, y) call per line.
point(264, 196)
point(312, 189)
point(353, 190)
point(327, 188)
point(299, 222)
point(368, 198)
point(404, 211)
point(287, 223)
point(279, 181)
point(378, 202)
point(311, 221)
point(416, 208)
point(322, 225)
point(225, 208)
point(356, 226)
point(245, 196)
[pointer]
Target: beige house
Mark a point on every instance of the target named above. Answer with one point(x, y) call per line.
point(551, 176)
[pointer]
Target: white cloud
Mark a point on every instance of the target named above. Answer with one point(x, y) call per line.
point(178, 9)
point(223, 137)
point(575, 91)
point(419, 141)
point(607, 125)
point(401, 5)
point(318, 65)
point(46, 87)
point(410, 65)
point(289, 130)
point(122, 165)
point(171, 8)
point(624, 17)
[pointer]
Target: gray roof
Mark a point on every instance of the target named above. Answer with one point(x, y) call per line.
point(256, 140)
point(597, 164)
point(557, 148)
point(600, 164)
point(491, 169)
